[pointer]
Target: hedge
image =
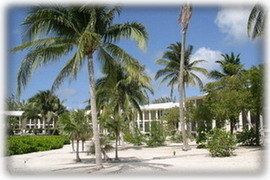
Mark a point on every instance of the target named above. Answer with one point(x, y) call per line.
point(28, 144)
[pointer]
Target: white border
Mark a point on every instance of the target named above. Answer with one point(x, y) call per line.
point(3, 52)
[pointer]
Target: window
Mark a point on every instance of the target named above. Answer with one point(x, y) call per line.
point(146, 115)
point(160, 113)
point(146, 126)
point(141, 126)
point(153, 115)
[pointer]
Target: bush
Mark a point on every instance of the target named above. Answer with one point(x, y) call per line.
point(28, 144)
point(136, 138)
point(220, 143)
point(201, 137)
point(247, 137)
point(156, 136)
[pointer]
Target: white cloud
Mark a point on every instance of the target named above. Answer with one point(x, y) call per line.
point(211, 56)
point(233, 22)
point(66, 92)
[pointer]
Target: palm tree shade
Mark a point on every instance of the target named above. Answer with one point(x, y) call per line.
point(54, 31)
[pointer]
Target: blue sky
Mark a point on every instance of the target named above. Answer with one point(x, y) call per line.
point(213, 30)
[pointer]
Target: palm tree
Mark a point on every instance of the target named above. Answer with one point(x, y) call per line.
point(256, 22)
point(46, 105)
point(86, 31)
point(117, 93)
point(76, 125)
point(230, 65)
point(171, 61)
point(184, 19)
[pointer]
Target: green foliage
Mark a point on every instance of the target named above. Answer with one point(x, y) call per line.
point(247, 137)
point(171, 117)
point(75, 125)
point(177, 138)
point(28, 144)
point(157, 136)
point(201, 138)
point(105, 145)
point(136, 138)
point(220, 143)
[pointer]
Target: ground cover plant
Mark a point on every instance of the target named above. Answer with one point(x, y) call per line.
point(220, 143)
point(28, 144)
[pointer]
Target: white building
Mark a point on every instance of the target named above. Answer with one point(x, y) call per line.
point(153, 112)
point(150, 113)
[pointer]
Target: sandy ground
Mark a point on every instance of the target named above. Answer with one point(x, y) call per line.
point(139, 161)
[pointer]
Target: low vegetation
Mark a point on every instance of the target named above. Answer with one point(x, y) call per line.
point(28, 144)
point(220, 143)
point(247, 137)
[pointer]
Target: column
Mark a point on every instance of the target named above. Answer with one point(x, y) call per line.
point(249, 120)
point(38, 123)
point(30, 123)
point(20, 122)
point(156, 114)
point(240, 124)
point(214, 124)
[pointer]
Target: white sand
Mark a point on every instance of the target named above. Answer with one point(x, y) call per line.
point(139, 161)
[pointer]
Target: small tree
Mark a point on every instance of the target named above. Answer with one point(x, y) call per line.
point(76, 125)
point(157, 136)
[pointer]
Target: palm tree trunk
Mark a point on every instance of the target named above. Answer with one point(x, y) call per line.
point(94, 111)
point(83, 145)
point(181, 94)
point(185, 110)
point(72, 144)
point(78, 159)
point(116, 146)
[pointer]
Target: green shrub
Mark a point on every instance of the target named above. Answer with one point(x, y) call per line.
point(220, 143)
point(201, 138)
point(157, 136)
point(177, 138)
point(247, 137)
point(136, 138)
point(28, 144)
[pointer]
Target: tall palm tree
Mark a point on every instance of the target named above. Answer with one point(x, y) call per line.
point(51, 32)
point(256, 22)
point(230, 65)
point(117, 93)
point(184, 19)
point(171, 63)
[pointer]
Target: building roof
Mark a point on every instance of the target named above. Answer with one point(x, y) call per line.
point(168, 105)
point(159, 106)
point(13, 113)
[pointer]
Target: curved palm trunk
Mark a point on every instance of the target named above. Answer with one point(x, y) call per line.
point(94, 111)
point(181, 95)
